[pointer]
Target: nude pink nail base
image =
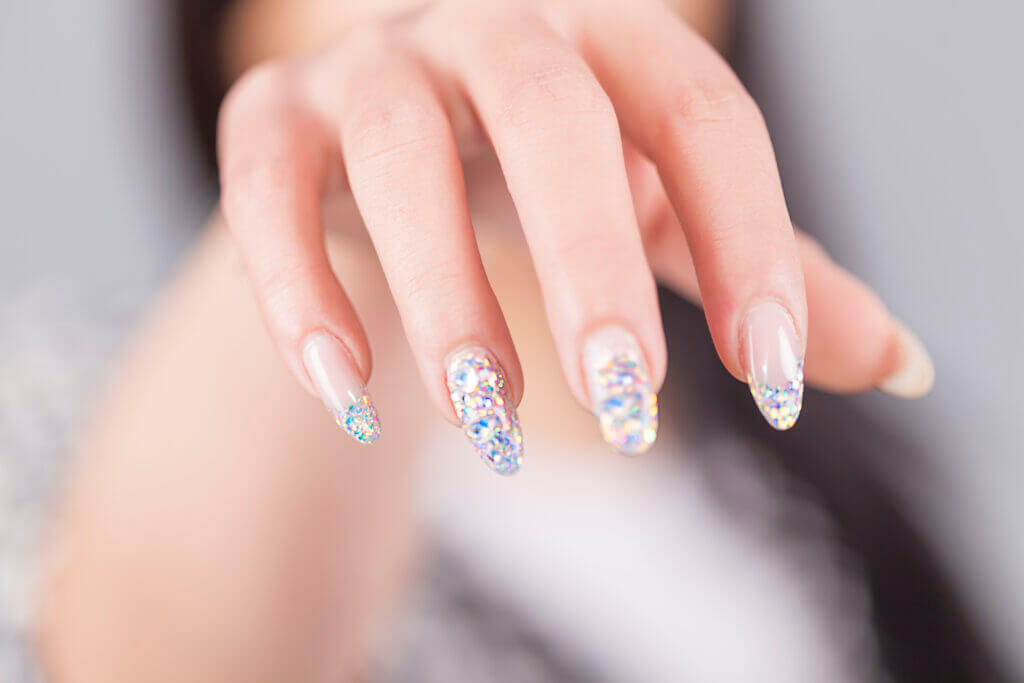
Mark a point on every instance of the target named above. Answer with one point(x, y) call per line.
point(775, 365)
point(340, 387)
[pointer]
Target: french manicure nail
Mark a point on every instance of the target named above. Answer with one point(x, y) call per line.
point(916, 374)
point(340, 386)
point(621, 396)
point(774, 364)
point(484, 405)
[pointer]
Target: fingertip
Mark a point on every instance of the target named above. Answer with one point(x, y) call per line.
point(914, 372)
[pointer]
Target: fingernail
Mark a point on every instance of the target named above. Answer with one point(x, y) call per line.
point(484, 405)
point(916, 374)
point(340, 386)
point(620, 389)
point(775, 364)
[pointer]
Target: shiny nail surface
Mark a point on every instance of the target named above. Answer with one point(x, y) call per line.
point(340, 386)
point(621, 396)
point(484, 405)
point(916, 374)
point(774, 364)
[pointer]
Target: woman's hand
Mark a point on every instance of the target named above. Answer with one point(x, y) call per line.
point(630, 150)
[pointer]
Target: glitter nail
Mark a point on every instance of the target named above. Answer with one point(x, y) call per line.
point(621, 395)
point(484, 405)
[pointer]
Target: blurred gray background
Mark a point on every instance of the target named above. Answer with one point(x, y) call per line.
point(898, 128)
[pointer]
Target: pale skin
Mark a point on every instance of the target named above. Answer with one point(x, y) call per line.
point(612, 129)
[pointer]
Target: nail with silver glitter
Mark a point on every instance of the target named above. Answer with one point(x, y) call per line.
point(485, 408)
point(621, 395)
point(340, 386)
point(774, 364)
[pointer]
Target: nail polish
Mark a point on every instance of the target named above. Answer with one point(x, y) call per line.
point(340, 386)
point(621, 396)
point(774, 364)
point(484, 406)
point(916, 374)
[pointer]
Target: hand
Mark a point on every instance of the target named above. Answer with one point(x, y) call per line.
point(630, 150)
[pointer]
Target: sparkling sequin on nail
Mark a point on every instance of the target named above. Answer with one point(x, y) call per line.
point(484, 406)
point(627, 409)
point(780, 405)
point(360, 420)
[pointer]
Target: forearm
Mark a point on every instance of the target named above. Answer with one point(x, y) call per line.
point(215, 524)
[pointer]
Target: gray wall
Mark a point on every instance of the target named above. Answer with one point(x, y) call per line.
point(94, 172)
point(898, 129)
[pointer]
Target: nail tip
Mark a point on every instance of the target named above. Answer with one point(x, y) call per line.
point(365, 439)
point(779, 405)
point(632, 451)
point(360, 421)
point(635, 441)
point(507, 471)
point(783, 426)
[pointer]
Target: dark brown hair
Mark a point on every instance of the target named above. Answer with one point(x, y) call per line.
point(198, 25)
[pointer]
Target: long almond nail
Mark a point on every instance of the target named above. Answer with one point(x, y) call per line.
point(484, 405)
point(916, 374)
point(340, 386)
point(619, 385)
point(774, 364)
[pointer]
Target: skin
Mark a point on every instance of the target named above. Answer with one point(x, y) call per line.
point(165, 563)
point(388, 111)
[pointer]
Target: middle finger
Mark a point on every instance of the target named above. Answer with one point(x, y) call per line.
point(558, 142)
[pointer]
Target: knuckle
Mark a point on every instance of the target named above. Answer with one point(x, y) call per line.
point(741, 235)
point(280, 289)
point(712, 101)
point(248, 189)
point(729, 238)
point(583, 254)
point(563, 91)
point(394, 128)
point(430, 287)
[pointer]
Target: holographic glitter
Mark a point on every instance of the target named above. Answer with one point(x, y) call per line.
point(484, 406)
point(360, 420)
point(627, 409)
point(780, 405)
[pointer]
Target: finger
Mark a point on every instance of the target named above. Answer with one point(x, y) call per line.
point(854, 343)
point(558, 142)
point(681, 104)
point(404, 171)
point(274, 162)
